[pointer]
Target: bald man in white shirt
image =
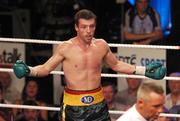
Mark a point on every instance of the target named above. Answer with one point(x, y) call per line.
point(149, 104)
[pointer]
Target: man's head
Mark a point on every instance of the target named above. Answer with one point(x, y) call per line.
point(84, 14)
point(30, 114)
point(5, 79)
point(150, 100)
point(30, 90)
point(109, 91)
point(85, 25)
point(142, 5)
point(174, 85)
point(133, 83)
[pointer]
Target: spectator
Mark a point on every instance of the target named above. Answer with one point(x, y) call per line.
point(142, 24)
point(173, 98)
point(30, 92)
point(2, 100)
point(175, 110)
point(149, 104)
point(127, 97)
point(10, 92)
point(109, 91)
point(4, 111)
point(29, 114)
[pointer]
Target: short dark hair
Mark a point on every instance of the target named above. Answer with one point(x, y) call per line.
point(84, 14)
point(30, 103)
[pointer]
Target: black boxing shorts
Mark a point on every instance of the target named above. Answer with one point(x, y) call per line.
point(84, 106)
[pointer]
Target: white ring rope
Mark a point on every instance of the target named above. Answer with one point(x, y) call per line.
point(58, 109)
point(110, 44)
point(104, 75)
point(15, 40)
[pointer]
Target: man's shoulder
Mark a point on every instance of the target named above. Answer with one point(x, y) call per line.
point(130, 115)
point(100, 41)
point(126, 116)
point(152, 11)
point(65, 44)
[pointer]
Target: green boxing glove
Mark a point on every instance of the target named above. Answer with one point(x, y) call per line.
point(21, 69)
point(153, 70)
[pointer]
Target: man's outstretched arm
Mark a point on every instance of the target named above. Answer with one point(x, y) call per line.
point(153, 70)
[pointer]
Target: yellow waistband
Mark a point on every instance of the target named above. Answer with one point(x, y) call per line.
point(83, 99)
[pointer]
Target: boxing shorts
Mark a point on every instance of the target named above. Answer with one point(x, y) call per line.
point(84, 106)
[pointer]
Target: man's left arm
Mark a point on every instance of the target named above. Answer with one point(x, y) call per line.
point(153, 70)
point(157, 34)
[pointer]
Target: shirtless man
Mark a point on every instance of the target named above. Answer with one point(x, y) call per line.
point(82, 58)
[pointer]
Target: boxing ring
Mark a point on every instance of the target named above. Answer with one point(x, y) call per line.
point(17, 40)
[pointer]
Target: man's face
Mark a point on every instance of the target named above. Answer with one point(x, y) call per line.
point(108, 93)
point(141, 5)
point(32, 89)
point(133, 84)
point(86, 29)
point(152, 107)
point(5, 79)
point(174, 86)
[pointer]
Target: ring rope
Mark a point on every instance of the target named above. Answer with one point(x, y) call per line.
point(110, 44)
point(103, 75)
point(58, 109)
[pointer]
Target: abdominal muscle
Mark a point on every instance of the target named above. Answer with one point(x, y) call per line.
point(82, 80)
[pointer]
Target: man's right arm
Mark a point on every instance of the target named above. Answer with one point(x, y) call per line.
point(21, 69)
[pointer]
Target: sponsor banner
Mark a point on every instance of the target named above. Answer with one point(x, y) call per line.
point(141, 57)
point(9, 53)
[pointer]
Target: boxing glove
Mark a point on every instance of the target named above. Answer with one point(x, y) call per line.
point(21, 69)
point(153, 70)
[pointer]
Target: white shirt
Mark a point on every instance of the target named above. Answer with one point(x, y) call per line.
point(131, 115)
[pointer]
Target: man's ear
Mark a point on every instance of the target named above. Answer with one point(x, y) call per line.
point(140, 103)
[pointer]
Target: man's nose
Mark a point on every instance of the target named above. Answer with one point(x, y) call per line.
point(88, 29)
point(160, 109)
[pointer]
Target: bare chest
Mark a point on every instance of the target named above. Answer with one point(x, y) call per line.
point(91, 58)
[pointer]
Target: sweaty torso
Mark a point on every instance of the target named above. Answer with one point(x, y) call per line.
point(82, 65)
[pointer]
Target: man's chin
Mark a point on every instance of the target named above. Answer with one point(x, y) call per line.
point(154, 118)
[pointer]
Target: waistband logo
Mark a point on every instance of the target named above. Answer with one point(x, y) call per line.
point(87, 99)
